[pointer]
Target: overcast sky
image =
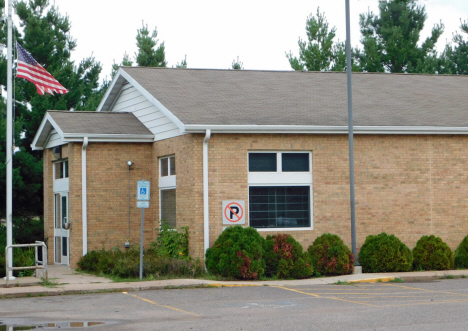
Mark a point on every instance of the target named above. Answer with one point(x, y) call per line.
point(212, 33)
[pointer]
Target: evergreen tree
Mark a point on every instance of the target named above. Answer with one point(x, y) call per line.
point(237, 65)
point(456, 57)
point(320, 52)
point(183, 63)
point(126, 62)
point(149, 53)
point(390, 39)
point(46, 35)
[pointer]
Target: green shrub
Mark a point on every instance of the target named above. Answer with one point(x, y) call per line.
point(167, 256)
point(461, 254)
point(172, 243)
point(127, 264)
point(238, 253)
point(385, 253)
point(432, 253)
point(22, 257)
point(330, 256)
point(285, 258)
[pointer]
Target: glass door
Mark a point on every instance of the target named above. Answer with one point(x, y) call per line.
point(61, 235)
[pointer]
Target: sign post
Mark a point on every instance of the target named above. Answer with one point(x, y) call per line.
point(143, 195)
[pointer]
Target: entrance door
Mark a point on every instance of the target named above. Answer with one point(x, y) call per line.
point(61, 236)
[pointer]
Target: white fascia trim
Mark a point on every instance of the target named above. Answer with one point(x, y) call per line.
point(154, 101)
point(198, 128)
point(73, 137)
point(47, 118)
point(109, 89)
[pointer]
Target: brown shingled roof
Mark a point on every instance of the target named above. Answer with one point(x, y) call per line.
point(242, 97)
point(90, 122)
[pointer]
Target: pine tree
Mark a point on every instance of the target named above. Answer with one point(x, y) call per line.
point(456, 56)
point(149, 54)
point(320, 52)
point(183, 63)
point(237, 65)
point(46, 35)
point(390, 39)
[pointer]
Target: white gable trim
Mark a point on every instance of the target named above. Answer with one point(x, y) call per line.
point(44, 130)
point(146, 94)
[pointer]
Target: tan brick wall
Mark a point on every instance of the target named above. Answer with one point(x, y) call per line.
point(189, 191)
point(405, 185)
point(107, 187)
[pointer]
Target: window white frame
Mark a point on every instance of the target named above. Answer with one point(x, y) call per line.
point(61, 184)
point(169, 181)
point(166, 182)
point(280, 178)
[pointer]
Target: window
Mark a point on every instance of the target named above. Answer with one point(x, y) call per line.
point(167, 191)
point(168, 166)
point(61, 169)
point(168, 207)
point(280, 186)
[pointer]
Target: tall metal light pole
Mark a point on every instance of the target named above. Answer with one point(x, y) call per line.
point(350, 133)
point(9, 138)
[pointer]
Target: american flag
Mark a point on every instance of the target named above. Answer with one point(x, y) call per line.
point(29, 69)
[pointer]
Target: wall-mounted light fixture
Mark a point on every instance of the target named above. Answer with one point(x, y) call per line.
point(57, 152)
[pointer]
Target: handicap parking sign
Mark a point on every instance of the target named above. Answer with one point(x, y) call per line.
point(143, 191)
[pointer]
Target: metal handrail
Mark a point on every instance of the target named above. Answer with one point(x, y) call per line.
point(43, 263)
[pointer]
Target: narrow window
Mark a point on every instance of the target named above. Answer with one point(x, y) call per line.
point(172, 166)
point(262, 162)
point(168, 207)
point(165, 167)
point(295, 162)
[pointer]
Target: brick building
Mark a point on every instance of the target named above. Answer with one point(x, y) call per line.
point(274, 142)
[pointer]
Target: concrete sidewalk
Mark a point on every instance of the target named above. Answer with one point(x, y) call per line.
point(63, 280)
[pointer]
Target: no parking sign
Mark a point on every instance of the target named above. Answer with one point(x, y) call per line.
point(234, 212)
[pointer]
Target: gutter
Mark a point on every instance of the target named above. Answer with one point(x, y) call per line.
point(206, 218)
point(317, 129)
point(84, 203)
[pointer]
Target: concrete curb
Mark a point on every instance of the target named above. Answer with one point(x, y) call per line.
point(69, 283)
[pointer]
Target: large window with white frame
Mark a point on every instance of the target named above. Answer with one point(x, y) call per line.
point(167, 190)
point(280, 190)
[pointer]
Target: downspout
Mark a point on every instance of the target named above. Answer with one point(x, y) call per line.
point(206, 218)
point(84, 203)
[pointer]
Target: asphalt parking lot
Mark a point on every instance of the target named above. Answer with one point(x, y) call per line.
point(433, 305)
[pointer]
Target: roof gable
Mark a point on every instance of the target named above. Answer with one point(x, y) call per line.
point(74, 126)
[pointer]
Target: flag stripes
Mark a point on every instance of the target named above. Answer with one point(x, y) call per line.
point(29, 69)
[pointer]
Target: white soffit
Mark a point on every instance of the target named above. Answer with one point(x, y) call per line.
point(42, 135)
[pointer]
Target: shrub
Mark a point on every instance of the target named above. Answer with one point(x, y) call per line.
point(238, 253)
point(385, 253)
point(167, 256)
point(330, 256)
point(461, 254)
point(22, 257)
point(127, 264)
point(285, 258)
point(172, 243)
point(432, 253)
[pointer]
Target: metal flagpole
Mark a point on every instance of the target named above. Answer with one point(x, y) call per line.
point(350, 134)
point(9, 138)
